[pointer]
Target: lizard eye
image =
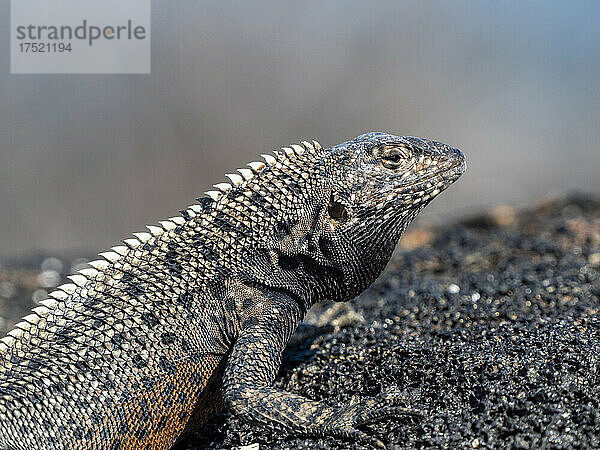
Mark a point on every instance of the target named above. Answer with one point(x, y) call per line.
point(394, 157)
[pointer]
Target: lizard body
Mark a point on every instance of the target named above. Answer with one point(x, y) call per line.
point(194, 314)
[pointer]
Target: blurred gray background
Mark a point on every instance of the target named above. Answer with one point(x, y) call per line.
point(87, 159)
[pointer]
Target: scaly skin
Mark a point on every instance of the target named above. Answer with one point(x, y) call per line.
point(161, 332)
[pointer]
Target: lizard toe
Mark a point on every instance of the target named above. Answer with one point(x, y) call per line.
point(385, 405)
point(344, 421)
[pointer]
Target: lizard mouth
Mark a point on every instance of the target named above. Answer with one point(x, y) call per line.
point(428, 187)
point(455, 170)
point(443, 178)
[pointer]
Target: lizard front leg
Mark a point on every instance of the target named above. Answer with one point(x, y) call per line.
point(252, 367)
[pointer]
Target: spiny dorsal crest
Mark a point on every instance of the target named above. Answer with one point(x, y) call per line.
point(97, 269)
point(256, 167)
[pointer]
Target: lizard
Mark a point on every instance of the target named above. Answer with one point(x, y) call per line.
point(193, 315)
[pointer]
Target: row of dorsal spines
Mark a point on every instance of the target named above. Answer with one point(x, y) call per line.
point(256, 167)
point(97, 267)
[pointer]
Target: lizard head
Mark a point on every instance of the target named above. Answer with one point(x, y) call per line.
point(379, 183)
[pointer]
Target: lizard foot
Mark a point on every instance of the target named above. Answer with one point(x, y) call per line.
point(345, 420)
